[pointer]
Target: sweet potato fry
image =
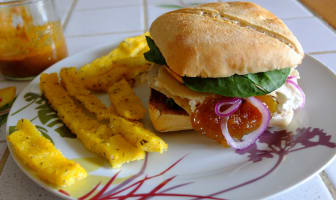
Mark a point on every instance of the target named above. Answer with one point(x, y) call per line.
point(125, 101)
point(38, 153)
point(138, 135)
point(73, 84)
point(98, 138)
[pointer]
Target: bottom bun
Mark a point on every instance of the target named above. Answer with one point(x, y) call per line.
point(167, 117)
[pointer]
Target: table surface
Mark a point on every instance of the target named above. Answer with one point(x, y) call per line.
point(89, 24)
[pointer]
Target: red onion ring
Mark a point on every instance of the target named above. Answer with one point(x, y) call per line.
point(289, 81)
point(252, 137)
point(229, 99)
point(235, 103)
point(290, 77)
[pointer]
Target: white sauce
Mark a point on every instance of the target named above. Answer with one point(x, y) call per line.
point(289, 99)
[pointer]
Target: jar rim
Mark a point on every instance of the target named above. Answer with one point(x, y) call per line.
point(9, 3)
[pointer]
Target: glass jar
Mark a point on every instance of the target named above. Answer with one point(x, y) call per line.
point(31, 38)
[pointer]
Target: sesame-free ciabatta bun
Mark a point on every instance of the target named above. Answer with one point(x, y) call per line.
point(223, 39)
point(165, 118)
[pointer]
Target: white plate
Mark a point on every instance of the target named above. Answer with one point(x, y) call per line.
point(203, 168)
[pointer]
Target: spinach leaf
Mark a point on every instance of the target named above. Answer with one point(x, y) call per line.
point(171, 104)
point(240, 85)
point(154, 54)
point(270, 80)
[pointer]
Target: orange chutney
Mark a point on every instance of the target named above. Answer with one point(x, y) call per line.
point(27, 49)
point(246, 119)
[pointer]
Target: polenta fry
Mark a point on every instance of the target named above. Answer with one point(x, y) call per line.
point(130, 47)
point(137, 135)
point(42, 157)
point(97, 137)
point(125, 101)
point(72, 83)
point(101, 82)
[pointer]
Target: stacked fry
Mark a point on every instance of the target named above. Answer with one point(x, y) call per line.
point(113, 132)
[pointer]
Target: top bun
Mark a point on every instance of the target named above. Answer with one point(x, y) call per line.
point(223, 39)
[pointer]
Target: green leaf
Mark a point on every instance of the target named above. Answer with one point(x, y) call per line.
point(46, 115)
point(270, 80)
point(171, 6)
point(3, 119)
point(240, 85)
point(154, 54)
point(62, 130)
point(12, 129)
point(41, 101)
point(29, 97)
point(55, 122)
point(171, 103)
point(44, 132)
point(65, 132)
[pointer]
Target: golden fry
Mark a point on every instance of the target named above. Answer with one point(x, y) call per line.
point(42, 157)
point(73, 84)
point(125, 101)
point(130, 47)
point(138, 135)
point(97, 137)
point(102, 82)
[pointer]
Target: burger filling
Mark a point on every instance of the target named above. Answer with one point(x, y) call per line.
point(276, 90)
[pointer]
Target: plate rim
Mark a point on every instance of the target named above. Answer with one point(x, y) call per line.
point(110, 45)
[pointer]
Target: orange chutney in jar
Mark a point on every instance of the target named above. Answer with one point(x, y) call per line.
point(27, 49)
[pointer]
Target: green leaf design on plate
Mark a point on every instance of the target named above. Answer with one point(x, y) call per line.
point(65, 132)
point(46, 115)
point(3, 119)
point(171, 6)
point(11, 129)
point(175, 6)
point(30, 98)
point(44, 133)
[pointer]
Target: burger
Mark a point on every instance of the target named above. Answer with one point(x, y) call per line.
point(227, 70)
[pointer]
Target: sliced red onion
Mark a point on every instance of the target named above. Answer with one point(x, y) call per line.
point(300, 90)
point(235, 103)
point(252, 137)
point(229, 99)
point(290, 77)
